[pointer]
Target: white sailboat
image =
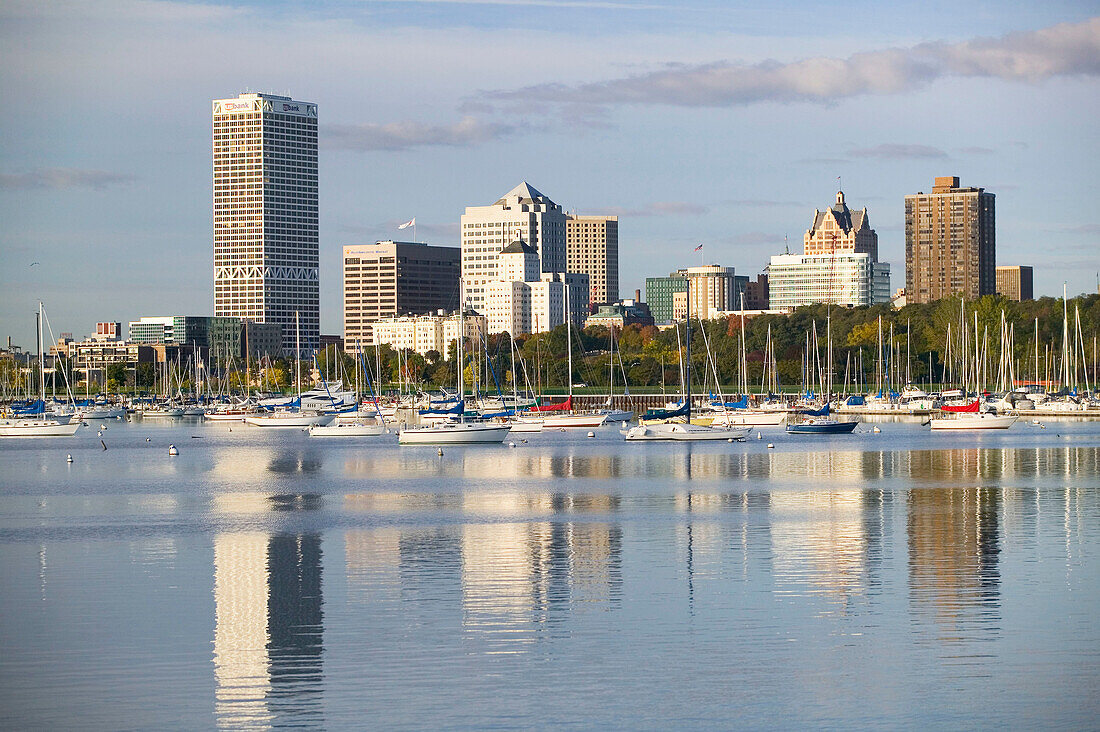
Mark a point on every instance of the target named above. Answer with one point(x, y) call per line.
point(291, 418)
point(460, 432)
point(565, 419)
point(38, 426)
point(684, 431)
point(974, 421)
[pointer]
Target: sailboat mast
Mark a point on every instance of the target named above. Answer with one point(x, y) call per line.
point(298, 358)
point(41, 358)
point(687, 361)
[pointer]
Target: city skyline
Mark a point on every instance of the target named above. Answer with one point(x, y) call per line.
point(693, 124)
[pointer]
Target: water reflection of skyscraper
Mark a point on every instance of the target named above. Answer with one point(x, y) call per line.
point(954, 543)
point(268, 623)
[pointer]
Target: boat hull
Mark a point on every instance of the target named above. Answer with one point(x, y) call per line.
point(574, 420)
point(275, 421)
point(37, 428)
point(832, 428)
point(347, 430)
point(749, 419)
point(455, 433)
point(977, 422)
point(680, 432)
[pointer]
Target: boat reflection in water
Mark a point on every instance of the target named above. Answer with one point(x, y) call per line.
point(268, 620)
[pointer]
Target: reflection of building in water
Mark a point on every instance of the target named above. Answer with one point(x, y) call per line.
point(240, 630)
point(268, 621)
point(518, 576)
point(820, 538)
point(953, 546)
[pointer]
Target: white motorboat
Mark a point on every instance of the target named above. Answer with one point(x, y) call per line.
point(974, 421)
point(288, 418)
point(748, 418)
point(37, 428)
point(454, 433)
point(161, 411)
point(229, 415)
point(682, 432)
point(348, 429)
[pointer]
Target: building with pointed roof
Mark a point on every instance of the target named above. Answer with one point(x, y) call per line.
point(838, 229)
point(522, 213)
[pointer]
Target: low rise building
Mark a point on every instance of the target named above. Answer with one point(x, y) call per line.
point(621, 314)
point(426, 333)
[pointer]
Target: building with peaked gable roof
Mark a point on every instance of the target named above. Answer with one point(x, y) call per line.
point(838, 229)
point(522, 213)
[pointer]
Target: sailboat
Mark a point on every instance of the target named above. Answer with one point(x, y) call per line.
point(38, 426)
point(609, 411)
point(458, 432)
point(818, 422)
point(685, 431)
point(293, 417)
point(562, 415)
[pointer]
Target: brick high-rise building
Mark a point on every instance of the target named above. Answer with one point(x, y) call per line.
point(392, 278)
point(950, 243)
point(265, 214)
point(592, 247)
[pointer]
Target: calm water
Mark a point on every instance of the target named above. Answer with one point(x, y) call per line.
point(264, 579)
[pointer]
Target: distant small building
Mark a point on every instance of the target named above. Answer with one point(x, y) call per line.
point(1016, 282)
point(332, 340)
point(620, 314)
point(756, 293)
point(426, 333)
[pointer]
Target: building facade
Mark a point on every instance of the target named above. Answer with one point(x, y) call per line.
point(756, 293)
point(522, 213)
point(427, 333)
point(847, 280)
point(840, 230)
point(620, 314)
point(592, 247)
point(1016, 282)
point(265, 214)
point(950, 242)
point(659, 295)
point(391, 278)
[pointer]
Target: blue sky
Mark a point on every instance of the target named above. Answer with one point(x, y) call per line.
point(697, 122)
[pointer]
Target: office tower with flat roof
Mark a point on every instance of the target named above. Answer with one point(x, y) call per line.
point(950, 243)
point(1016, 282)
point(522, 213)
point(592, 247)
point(265, 214)
point(660, 295)
point(391, 278)
point(849, 279)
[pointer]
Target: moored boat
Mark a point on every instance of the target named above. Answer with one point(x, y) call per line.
point(976, 421)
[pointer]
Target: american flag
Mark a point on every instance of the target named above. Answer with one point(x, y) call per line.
point(698, 248)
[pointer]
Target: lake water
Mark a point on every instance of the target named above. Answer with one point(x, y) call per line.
point(268, 579)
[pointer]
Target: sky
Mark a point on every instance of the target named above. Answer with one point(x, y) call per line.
point(695, 121)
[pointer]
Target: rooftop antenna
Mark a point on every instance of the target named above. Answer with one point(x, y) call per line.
point(786, 247)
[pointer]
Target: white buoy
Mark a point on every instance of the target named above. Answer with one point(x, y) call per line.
point(172, 451)
point(563, 429)
point(729, 440)
point(148, 439)
point(441, 452)
point(770, 446)
point(103, 427)
point(591, 434)
point(876, 429)
point(759, 436)
point(68, 458)
point(511, 444)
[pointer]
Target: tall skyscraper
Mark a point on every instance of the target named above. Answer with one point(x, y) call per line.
point(950, 243)
point(265, 213)
point(390, 278)
point(592, 247)
point(521, 213)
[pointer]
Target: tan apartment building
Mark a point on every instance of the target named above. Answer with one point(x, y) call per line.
point(950, 242)
point(391, 278)
point(592, 248)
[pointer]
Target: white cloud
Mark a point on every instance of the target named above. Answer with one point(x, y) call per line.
point(408, 134)
point(1063, 50)
point(63, 178)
